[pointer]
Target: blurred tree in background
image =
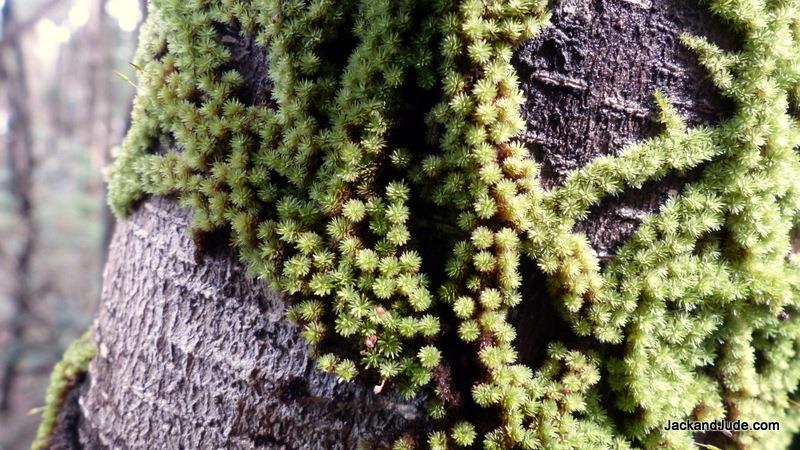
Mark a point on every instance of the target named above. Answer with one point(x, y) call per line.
point(63, 64)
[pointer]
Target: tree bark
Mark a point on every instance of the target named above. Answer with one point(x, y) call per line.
point(589, 82)
point(195, 354)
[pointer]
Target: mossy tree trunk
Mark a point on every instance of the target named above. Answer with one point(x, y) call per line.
point(193, 353)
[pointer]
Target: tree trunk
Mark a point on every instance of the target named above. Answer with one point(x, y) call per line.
point(193, 353)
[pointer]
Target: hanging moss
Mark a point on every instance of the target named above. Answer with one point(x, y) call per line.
point(326, 201)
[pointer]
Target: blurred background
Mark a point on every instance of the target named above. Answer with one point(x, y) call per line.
point(65, 96)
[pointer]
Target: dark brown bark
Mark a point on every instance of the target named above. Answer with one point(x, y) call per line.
point(19, 158)
point(194, 354)
point(589, 82)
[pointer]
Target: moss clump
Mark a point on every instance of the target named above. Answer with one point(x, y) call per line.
point(66, 373)
point(694, 318)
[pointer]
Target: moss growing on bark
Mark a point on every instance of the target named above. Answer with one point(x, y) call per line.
point(65, 375)
point(694, 318)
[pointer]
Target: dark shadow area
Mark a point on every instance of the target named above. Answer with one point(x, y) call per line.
point(65, 433)
point(252, 62)
point(537, 319)
point(610, 222)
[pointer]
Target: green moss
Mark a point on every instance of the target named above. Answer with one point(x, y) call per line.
point(324, 203)
point(66, 373)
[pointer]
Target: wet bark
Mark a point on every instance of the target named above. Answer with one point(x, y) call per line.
point(193, 353)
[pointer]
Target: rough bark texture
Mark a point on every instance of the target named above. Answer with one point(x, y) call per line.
point(195, 354)
point(589, 82)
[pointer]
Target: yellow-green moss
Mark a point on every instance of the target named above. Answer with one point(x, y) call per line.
point(323, 203)
point(66, 373)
